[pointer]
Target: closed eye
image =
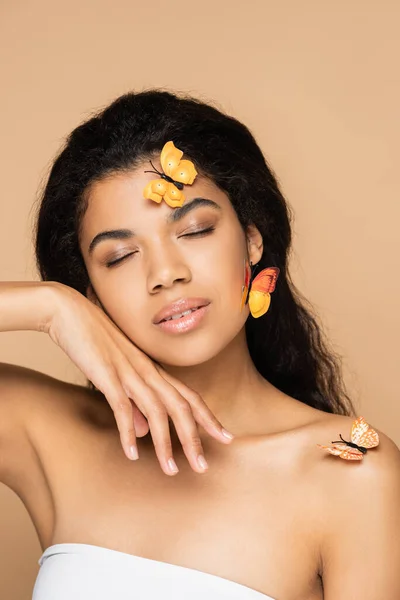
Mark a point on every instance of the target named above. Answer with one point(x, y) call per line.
point(199, 233)
point(118, 260)
point(194, 233)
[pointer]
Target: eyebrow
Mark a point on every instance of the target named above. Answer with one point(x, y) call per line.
point(175, 215)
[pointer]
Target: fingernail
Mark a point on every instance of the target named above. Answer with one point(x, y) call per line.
point(172, 465)
point(133, 453)
point(202, 462)
point(227, 434)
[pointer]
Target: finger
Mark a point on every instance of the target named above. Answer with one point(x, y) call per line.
point(186, 429)
point(157, 417)
point(185, 424)
point(202, 413)
point(139, 420)
point(123, 413)
point(159, 428)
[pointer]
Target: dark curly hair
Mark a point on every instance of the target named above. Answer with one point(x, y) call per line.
point(287, 344)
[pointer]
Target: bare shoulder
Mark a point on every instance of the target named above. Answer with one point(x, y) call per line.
point(378, 462)
point(379, 468)
point(336, 484)
point(354, 501)
point(332, 427)
point(359, 518)
point(28, 396)
point(32, 403)
point(37, 413)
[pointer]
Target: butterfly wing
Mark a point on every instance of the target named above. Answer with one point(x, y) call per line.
point(245, 287)
point(170, 157)
point(173, 197)
point(363, 435)
point(261, 288)
point(155, 190)
point(265, 281)
point(172, 165)
point(343, 451)
point(184, 172)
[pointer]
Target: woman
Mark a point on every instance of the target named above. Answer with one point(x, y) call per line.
point(158, 205)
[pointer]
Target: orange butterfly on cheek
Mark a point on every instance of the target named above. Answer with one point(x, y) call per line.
point(362, 437)
point(257, 291)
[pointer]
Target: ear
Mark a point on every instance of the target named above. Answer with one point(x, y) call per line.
point(255, 246)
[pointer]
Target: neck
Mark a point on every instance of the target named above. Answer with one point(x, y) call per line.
point(229, 384)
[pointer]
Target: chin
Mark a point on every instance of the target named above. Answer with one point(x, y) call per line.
point(189, 358)
point(188, 350)
point(180, 352)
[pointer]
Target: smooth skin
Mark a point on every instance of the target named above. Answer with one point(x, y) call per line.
point(272, 511)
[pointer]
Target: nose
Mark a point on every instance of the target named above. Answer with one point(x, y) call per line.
point(167, 269)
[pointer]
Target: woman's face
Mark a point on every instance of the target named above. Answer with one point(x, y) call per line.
point(163, 264)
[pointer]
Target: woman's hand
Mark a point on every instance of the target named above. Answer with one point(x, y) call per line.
point(139, 391)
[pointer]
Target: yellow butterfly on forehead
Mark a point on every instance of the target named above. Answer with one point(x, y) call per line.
point(176, 173)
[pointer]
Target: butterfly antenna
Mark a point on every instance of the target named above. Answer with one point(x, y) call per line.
point(155, 170)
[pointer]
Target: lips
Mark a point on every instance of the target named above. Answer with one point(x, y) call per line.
point(179, 306)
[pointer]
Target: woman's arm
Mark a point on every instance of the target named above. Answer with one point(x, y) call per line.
point(141, 395)
point(25, 305)
point(361, 548)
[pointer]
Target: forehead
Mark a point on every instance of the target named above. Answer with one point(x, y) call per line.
point(118, 200)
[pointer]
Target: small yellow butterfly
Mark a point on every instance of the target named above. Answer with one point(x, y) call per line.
point(362, 438)
point(176, 173)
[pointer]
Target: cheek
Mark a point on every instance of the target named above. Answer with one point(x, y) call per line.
point(229, 265)
point(118, 295)
point(229, 281)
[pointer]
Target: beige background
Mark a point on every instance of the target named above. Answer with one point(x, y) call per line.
point(318, 84)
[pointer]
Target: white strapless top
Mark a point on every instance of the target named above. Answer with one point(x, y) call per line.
point(87, 572)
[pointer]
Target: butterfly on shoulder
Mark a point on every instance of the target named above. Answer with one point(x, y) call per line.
point(362, 437)
point(176, 173)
